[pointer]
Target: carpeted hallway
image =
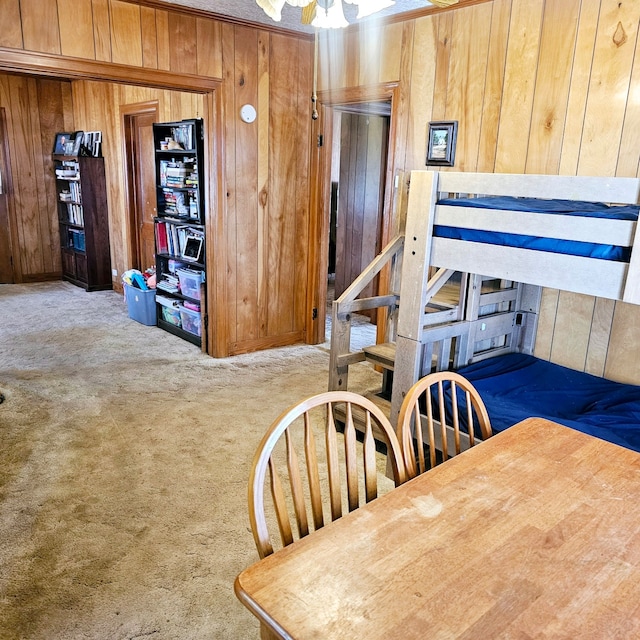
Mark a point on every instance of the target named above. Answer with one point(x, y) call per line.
point(124, 457)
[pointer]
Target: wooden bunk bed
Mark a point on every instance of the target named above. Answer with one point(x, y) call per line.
point(482, 232)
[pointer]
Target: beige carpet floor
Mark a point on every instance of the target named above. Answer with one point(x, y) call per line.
point(124, 458)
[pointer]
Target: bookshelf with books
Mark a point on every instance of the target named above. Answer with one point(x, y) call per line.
point(83, 221)
point(180, 228)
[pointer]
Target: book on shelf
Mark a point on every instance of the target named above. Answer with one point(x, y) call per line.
point(66, 174)
point(162, 171)
point(68, 170)
point(72, 194)
point(179, 241)
point(180, 204)
point(76, 240)
point(178, 173)
point(162, 243)
point(75, 214)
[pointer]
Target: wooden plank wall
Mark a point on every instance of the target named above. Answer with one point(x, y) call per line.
point(260, 230)
point(114, 31)
point(267, 186)
point(35, 110)
point(537, 86)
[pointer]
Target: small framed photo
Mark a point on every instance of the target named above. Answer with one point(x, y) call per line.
point(441, 145)
point(77, 142)
point(63, 144)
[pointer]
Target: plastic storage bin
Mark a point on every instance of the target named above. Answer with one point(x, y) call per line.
point(141, 305)
point(190, 281)
point(172, 315)
point(191, 321)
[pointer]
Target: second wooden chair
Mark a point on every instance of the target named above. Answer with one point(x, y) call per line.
point(444, 412)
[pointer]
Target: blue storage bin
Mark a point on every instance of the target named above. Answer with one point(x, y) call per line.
point(141, 305)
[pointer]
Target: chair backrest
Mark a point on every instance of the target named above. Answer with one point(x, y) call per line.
point(444, 412)
point(321, 472)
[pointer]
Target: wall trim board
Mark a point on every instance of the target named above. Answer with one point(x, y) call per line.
point(64, 68)
point(268, 342)
point(212, 15)
point(41, 277)
point(358, 94)
point(414, 14)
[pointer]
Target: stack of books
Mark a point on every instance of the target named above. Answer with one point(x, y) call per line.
point(169, 283)
point(174, 204)
point(176, 174)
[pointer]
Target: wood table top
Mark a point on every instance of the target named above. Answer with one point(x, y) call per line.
point(534, 533)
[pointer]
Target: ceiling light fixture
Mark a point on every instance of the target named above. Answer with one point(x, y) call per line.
point(323, 14)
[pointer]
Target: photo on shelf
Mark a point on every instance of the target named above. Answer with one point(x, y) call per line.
point(63, 144)
point(77, 141)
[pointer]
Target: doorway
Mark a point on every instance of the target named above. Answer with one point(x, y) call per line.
point(138, 122)
point(325, 165)
point(359, 165)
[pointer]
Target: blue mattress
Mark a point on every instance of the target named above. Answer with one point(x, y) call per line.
point(549, 207)
point(517, 386)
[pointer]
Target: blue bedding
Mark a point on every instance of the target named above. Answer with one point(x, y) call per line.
point(564, 207)
point(517, 386)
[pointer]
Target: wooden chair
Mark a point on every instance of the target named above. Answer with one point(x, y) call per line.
point(443, 406)
point(343, 477)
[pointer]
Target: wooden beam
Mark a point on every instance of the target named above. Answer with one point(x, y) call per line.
point(51, 65)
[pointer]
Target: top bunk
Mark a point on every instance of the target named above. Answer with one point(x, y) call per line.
point(571, 233)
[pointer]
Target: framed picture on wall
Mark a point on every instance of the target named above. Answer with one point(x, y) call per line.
point(441, 145)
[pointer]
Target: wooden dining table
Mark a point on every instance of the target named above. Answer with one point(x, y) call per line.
point(534, 533)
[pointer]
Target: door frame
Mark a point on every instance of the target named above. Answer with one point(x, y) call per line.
point(320, 195)
point(38, 64)
point(128, 112)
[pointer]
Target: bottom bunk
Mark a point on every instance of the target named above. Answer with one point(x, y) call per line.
point(516, 386)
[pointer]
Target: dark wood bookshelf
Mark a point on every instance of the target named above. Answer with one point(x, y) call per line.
point(83, 221)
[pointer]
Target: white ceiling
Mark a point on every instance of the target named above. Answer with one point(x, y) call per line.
point(248, 10)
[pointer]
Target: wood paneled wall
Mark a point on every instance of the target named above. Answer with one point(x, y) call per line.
point(114, 31)
point(267, 186)
point(192, 65)
point(35, 110)
point(537, 86)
